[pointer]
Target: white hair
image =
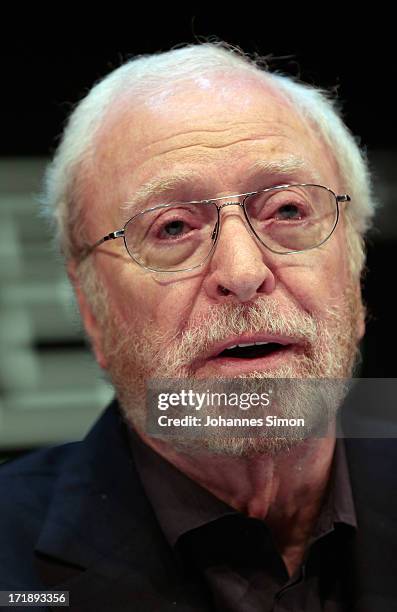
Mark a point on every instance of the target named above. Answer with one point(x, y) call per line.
point(146, 75)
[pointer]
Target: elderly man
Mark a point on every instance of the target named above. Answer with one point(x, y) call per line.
point(211, 215)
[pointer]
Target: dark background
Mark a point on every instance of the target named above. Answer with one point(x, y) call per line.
point(44, 85)
point(47, 67)
point(46, 76)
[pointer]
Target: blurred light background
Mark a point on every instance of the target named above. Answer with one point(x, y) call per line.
point(51, 390)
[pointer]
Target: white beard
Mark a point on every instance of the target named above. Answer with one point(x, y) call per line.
point(136, 354)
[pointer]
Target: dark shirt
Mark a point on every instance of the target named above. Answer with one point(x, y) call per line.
point(236, 556)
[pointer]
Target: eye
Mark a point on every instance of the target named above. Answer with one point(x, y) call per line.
point(176, 224)
point(173, 228)
point(288, 211)
point(172, 225)
point(280, 206)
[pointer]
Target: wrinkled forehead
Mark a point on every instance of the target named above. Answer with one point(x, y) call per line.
point(201, 103)
point(202, 120)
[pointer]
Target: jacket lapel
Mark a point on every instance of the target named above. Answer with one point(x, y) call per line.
point(100, 539)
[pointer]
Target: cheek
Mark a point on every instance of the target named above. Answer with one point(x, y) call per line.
point(318, 280)
point(142, 299)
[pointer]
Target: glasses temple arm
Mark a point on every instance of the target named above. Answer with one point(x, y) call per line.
point(343, 198)
point(88, 250)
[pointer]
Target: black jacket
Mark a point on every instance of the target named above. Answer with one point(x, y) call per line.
point(76, 518)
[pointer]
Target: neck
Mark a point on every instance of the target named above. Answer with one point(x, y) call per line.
point(285, 490)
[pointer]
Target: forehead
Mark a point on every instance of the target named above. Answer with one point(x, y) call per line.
point(216, 129)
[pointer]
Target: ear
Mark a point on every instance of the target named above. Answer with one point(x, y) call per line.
point(91, 325)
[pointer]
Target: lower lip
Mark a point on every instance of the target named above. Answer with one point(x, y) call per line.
point(236, 365)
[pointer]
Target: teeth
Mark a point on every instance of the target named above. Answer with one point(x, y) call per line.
point(247, 344)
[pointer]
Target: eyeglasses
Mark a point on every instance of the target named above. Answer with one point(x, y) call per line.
point(182, 236)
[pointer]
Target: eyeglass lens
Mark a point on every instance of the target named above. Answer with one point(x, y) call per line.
point(181, 236)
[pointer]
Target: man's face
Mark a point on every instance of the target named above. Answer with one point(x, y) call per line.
point(216, 130)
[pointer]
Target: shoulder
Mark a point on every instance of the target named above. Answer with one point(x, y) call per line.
point(32, 476)
point(26, 490)
point(372, 467)
point(60, 503)
point(27, 483)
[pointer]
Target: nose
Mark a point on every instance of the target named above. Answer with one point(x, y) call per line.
point(237, 270)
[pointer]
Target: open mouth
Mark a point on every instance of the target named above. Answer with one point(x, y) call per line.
point(255, 350)
point(248, 354)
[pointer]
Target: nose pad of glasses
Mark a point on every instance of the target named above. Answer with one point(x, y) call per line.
point(249, 227)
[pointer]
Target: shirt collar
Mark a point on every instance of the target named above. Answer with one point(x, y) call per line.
point(181, 505)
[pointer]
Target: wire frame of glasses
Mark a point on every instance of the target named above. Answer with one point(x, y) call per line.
point(182, 236)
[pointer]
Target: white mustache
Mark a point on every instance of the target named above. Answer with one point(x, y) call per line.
point(222, 321)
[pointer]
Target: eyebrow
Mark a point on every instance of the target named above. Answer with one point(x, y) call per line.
point(158, 186)
point(161, 186)
point(289, 165)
